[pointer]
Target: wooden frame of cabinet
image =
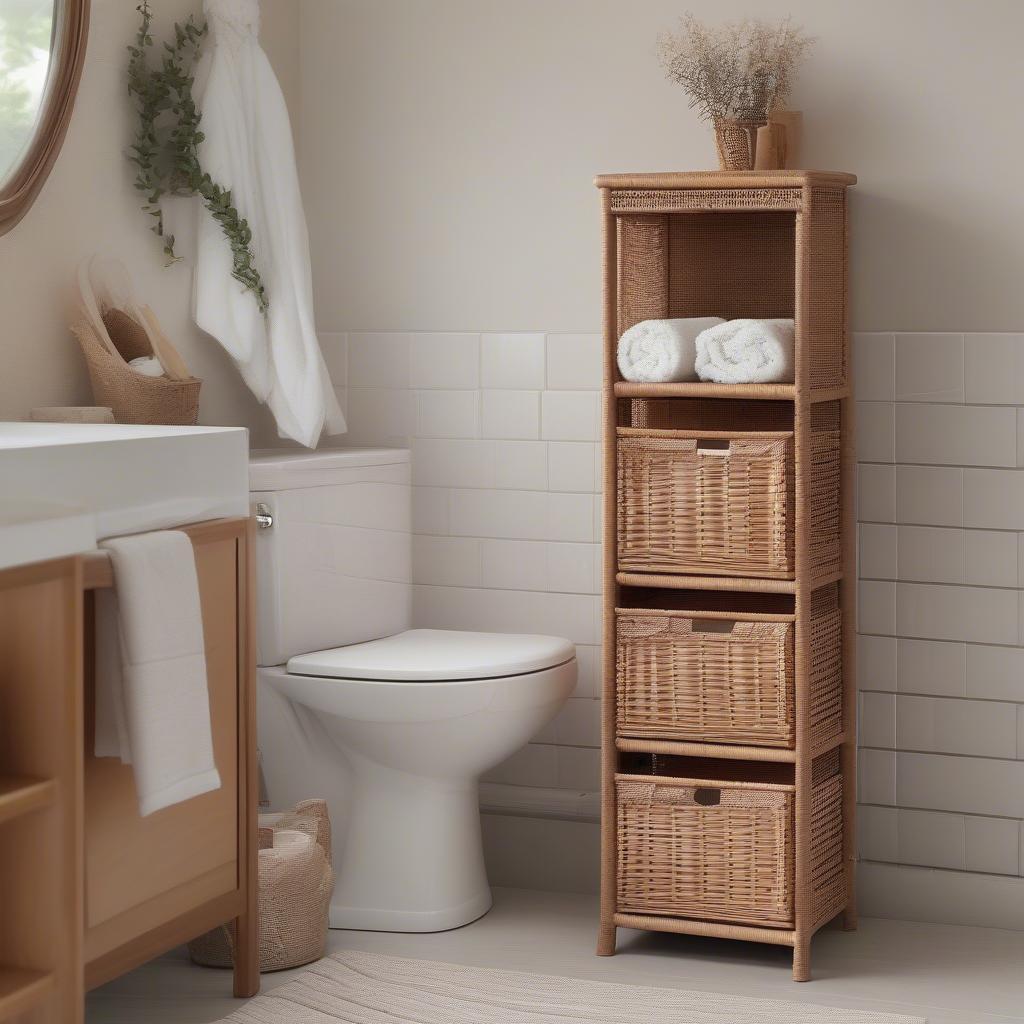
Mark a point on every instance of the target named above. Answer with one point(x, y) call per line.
point(738, 244)
point(91, 890)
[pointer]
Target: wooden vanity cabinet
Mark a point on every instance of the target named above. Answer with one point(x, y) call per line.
point(128, 888)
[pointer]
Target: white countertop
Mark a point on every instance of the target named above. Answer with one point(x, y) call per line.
point(65, 486)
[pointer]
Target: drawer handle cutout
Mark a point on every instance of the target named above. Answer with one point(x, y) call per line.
point(713, 626)
point(713, 445)
point(707, 797)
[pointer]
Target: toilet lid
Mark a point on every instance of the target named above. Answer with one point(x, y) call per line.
point(437, 654)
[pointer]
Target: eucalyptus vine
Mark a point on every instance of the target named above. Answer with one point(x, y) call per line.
point(165, 149)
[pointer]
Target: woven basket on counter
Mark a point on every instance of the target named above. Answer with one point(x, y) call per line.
point(295, 886)
point(134, 397)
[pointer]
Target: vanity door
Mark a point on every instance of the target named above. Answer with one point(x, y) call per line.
point(151, 883)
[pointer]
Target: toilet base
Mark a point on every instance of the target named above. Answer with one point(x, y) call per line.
point(369, 920)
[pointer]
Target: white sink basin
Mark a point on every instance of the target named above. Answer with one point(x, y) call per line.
point(57, 477)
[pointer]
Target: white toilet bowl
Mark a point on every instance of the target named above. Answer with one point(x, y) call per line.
point(412, 859)
point(392, 726)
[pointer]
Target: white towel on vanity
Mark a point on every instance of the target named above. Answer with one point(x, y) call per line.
point(747, 352)
point(152, 701)
point(662, 351)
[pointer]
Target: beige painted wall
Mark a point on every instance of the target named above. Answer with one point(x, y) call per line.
point(449, 146)
point(88, 205)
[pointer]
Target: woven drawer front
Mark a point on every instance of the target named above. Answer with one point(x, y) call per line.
point(682, 853)
point(686, 507)
point(678, 681)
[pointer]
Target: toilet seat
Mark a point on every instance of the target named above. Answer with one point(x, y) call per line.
point(437, 655)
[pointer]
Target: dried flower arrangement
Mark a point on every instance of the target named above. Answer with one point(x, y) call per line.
point(736, 75)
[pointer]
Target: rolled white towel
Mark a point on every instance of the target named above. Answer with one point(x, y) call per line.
point(661, 351)
point(747, 352)
point(148, 366)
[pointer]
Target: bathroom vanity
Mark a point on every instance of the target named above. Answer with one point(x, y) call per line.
point(90, 889)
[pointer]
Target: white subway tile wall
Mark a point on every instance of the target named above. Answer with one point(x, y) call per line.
point(941, 651)
point(504, 430)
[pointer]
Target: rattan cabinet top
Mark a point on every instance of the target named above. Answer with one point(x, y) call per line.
point(721, 191)
point(725, 179)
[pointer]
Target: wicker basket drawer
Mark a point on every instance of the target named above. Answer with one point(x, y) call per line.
point(705, 677)
point(720, 851)
point(718, 503)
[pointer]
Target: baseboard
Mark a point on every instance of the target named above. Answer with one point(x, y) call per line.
point(534, 802)
point(941, 897)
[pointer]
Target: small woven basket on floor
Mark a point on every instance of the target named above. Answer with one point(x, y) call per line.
point(134, 397)
point(295, 886)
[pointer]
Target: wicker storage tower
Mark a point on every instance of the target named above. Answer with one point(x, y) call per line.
point(728, 735)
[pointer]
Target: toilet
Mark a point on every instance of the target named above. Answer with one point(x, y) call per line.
point(392, 725)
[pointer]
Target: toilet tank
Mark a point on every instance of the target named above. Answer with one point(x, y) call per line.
point(335, 568)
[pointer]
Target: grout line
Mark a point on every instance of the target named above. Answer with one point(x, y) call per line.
point(946, 696)
point(964, 814)
point(936, 867)
point(1015, 589)
point(939, 526)
point(941, 753)
point(941, 640)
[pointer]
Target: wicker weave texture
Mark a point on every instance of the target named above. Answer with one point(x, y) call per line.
point(693, 504)
point(823, 327)
point(683, 677)
point(643, 270)
point(684, 508)
point(731, 264)
point(703, 849)
point(295, 886)
point(624, 201)
point(828, 882)
point(700, 677)
point(135, 398)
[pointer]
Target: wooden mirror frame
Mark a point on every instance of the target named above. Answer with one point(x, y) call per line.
point(18, 193)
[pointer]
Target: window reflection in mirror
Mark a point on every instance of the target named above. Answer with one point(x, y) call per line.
point(26, 38)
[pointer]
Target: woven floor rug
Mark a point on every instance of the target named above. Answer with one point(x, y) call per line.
point(363, 988)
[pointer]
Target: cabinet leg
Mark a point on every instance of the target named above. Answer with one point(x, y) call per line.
point(802, 960)
point(247, 957)
point(606, 940)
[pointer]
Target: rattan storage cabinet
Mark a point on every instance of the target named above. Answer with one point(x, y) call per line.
point(728, 725)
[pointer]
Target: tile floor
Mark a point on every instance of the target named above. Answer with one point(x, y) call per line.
point(947, 974)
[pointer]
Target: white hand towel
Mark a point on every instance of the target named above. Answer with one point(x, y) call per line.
point(747, 352)
point(662, 351)
point(152, 701)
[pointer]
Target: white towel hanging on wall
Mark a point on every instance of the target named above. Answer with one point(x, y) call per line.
point(248, 148)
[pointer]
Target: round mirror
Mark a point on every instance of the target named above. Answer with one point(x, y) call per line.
point(42, 44)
